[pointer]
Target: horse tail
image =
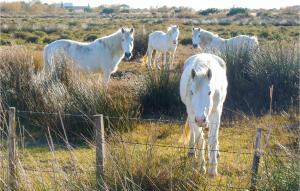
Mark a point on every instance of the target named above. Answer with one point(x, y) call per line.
point(186, 133)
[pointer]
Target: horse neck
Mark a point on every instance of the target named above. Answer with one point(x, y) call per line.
point(114, 43)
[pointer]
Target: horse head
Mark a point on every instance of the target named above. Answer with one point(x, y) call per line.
point(127, 42)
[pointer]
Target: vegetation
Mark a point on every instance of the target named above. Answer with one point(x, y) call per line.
point(237, 11)
point(135, 91)
point(209, 11)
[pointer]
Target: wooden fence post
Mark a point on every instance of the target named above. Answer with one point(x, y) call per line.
point(11, 145)
point(100, 151)
point(256, 157)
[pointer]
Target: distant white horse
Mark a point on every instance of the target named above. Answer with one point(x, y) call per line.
point(209, 41)
point(203, 89)
point(163, 43)
point(102, 54)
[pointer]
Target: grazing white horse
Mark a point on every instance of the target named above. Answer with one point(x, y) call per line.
point(203, 89)
point(209, 41)
point(102, 54)
point(163, 43)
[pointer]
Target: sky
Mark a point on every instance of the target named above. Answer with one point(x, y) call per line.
point(196, 4)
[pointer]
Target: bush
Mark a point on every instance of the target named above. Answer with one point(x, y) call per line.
point(140, 45)
point(48, 40)
point(186, 41)
point(90, 37)
point(160, 94)
point(237, 11)
point(209, 11)
point(276, 63)
point(21, 35)
point(107, 11)
point(250, 74)
point(57, 91)
point(32, 39)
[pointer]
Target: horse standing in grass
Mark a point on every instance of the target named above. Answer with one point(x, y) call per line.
point(163, 43)
point(103, 54)
point(203, 89)
point(209, 41)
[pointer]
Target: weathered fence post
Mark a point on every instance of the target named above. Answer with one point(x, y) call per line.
point(256, 158)
point(100, 151)
point(11, 145)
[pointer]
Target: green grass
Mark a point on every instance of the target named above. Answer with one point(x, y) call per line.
point(140, 167)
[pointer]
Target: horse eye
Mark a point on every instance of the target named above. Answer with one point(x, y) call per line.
point(192, 93)
point(122, 40)
point(199, 36)
point(209, 92)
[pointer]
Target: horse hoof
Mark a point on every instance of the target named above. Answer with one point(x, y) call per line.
point(191, 154)
point(212, 172)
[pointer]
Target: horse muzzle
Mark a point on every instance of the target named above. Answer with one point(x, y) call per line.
point(128, 55)
point(195, 45)
point(200, 120)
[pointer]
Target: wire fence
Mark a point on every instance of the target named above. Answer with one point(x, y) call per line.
point(24, 130)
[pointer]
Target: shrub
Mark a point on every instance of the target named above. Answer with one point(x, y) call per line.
point(140, 45)
point(209, 11)
point(160, 94)
point(264, 34)
point(250, 74)
point(21, 35)
point(186, 41)
point(5, 42)
point(57, 91)
point(107, 11)
point(32, 39)
point(237, 11)
point(48, 40)
point(90, 37)
point(276, 63)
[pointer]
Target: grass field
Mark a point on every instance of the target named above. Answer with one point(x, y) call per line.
point(148, 155)
point(153, 167)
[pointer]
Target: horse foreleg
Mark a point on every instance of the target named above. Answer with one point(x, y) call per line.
point(157, 56)
point(213, 142)
point(105, 80)
point(150, 51)
point(165, 59)
point(172, 59)
point(199, 139)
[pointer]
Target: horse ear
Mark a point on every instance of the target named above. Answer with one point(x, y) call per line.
point(208, 74)
point(122, 30)
point(193, 73)
point(132, 30)
point(193, 28)
point(199, 29)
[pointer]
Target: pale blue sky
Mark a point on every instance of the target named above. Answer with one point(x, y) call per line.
point(196, 4)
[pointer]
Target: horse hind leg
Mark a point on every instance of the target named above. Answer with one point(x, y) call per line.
point(157, 56)
point(149, 52)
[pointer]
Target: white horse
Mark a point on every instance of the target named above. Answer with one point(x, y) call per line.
point(209, 41)
point(203, 89)
point(163, 43)
point(102, 54)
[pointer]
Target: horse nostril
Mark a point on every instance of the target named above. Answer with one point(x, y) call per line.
point(204, 120)
point(128, 55)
